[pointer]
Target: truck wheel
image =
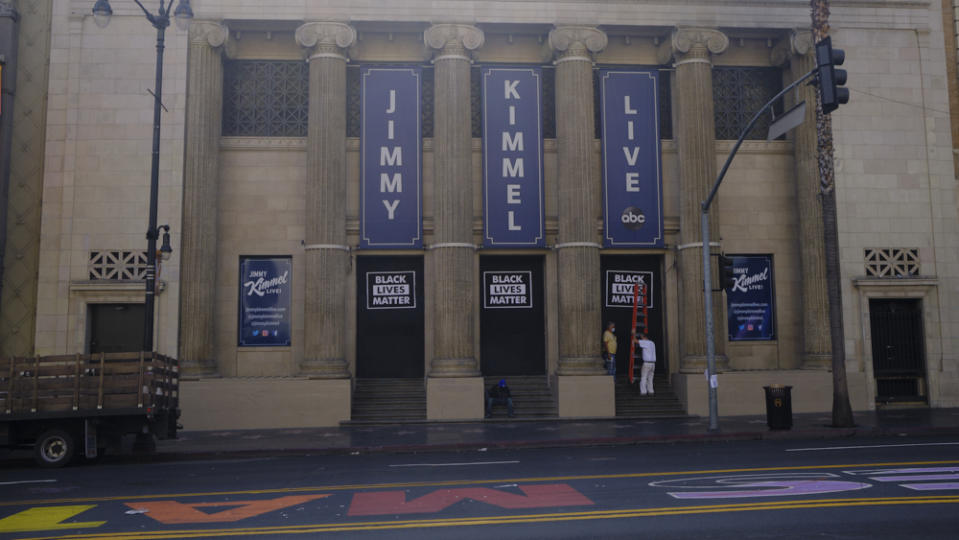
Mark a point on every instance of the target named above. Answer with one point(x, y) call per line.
point(54, 448)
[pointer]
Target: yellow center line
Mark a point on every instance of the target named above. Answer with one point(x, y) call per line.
point(446, 483)
point(519, 519)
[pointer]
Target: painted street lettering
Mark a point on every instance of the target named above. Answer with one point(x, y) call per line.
point(535, 496)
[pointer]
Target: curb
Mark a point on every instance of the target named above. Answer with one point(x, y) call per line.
point(808, 434)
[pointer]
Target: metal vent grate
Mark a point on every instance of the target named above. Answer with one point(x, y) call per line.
point(117, 265)
point(892, 262)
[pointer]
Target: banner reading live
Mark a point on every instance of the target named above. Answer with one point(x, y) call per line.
point(750, 305)
point(512, 157)
point(390, 197)
point(265, 301)
point(632, 176)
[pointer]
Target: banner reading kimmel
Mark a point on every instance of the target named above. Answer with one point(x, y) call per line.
point(512, 157)
point(390, 196)
point(632, 176)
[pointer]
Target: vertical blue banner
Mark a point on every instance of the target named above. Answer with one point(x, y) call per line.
point(750, 302)
point(391, 209)
point(632, 175)
point(512, 157)
point(264, 312)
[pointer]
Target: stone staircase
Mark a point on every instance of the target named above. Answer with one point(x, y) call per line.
point(532, 396)
point(387, 401)
point(631, 404)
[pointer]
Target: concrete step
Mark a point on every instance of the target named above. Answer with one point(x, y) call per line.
point(389, 400)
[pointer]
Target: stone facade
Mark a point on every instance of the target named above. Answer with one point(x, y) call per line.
point(299, 196)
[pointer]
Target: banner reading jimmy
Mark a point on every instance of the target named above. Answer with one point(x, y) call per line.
point(750, 305)
point(512, 157)
point(632, 176)
point(265, 301)
point(390, 195)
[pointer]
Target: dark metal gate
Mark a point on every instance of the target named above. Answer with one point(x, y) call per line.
point(115, 327)
point(618, 272)
point(389, 317)
point(898, 351)
point(512, 315)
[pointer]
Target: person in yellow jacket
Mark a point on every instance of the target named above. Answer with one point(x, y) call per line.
point(609, 347)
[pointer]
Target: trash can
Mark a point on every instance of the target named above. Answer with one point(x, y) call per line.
point(779, 406)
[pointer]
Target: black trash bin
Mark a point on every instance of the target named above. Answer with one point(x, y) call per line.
point(779, 406)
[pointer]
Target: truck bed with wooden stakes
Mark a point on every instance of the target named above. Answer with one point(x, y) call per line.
point(77, 405)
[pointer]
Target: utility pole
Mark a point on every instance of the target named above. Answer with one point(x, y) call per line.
point(841, 409)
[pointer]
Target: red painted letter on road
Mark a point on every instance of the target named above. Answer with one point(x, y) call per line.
point(172, 512)
point(394, 502)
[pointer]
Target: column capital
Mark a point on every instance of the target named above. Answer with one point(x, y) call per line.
point(799, 42)
point(453, 41)
point(212, 33)
point(577, 42)
point(325, 39)
point(692, 45)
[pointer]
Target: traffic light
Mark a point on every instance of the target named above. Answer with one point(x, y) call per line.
point(726, 279)
point(831, 78)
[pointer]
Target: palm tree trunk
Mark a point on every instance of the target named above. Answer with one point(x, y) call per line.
point(841, 409)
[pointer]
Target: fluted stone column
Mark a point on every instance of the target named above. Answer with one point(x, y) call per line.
point(201, 170)
point(691, 49)
point(327, 256)
point(798, 51)
point(580, 311)
point(451, 257)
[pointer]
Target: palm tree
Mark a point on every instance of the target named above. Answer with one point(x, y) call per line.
point(841, 410)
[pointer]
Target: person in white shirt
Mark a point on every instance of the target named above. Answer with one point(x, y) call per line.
point(649, 364)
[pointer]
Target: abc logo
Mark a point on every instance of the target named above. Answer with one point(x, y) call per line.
point(633, 218)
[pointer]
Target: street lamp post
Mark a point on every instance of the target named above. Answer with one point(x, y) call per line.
point(160, 20)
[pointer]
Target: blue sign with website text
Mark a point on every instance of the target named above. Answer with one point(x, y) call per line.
point(265, 284)
point(750, 303)
point(391, 212)
point(632, 176)
point(512, 157)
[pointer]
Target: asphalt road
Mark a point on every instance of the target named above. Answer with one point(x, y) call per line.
point(853, 488)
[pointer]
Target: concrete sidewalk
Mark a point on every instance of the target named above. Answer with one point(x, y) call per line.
point(432, 436)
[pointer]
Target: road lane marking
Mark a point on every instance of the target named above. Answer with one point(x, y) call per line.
point(443, 483)
point(455, 464)
point(518, 519)
point(47, 481)
point(869, 446)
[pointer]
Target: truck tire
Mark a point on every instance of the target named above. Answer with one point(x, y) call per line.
point(54, 448)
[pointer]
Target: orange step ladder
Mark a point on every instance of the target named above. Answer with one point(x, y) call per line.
point(642, 320)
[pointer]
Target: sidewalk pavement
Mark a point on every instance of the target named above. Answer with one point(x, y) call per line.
point(538, 433)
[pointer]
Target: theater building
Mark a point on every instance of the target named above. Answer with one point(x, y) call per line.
point(378, 207)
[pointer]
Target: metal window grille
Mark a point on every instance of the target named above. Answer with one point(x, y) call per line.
point(549, 102)
point(428, 102)
point(354, 101)
point(265, 98)
point(738, 92)
point(665, 105)
point(354, 115)
point(117, 265)
point(892, 262)
point(476, 101)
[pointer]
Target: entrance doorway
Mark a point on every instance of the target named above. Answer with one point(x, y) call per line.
point(512, 315)
point(115, 327)
point(389, 317)
point(898, 351)
point(618, 272)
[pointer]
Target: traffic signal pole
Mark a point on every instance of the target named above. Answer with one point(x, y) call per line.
point(711, 380)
